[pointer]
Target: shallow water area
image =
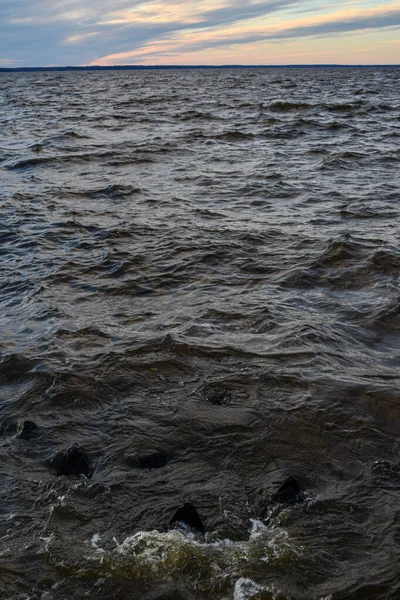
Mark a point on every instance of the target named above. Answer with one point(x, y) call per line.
point(200, 287)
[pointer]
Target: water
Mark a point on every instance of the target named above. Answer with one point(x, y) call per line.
point(203, 264)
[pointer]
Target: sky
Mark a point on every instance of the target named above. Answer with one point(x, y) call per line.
point(208, 32)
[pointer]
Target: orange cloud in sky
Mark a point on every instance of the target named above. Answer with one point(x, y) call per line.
point(364, 49)
point(184, 42)
point(161, 11)
point(79, 37)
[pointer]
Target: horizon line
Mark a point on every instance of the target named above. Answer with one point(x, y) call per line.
point(171, 67)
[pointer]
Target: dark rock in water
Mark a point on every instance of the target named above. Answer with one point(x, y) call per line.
point(26, 429)
point(72, 462)
point(218, 396)
point(289, 492)
point(154, 460)
point(187, 516)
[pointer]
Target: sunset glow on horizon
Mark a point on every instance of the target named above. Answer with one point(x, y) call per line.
point(173, 32)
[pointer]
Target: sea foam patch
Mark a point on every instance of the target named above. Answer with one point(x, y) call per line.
point(205, 565)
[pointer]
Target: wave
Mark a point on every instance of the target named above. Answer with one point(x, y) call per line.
point(62, 159)
point(113, 191)
point(285, 106)
point(219, 567)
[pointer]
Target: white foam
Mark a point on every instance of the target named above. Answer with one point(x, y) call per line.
point(47, 541)
point(247, 588)
point(258, 528)
point(221, 562)
point(96, 538)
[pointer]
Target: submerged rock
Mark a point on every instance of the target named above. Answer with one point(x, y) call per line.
point(289, 492)
point(218, 396)
point(187, 516)
point(26, 429)
point(154, 460)
point(166, 591)
point(73, 461)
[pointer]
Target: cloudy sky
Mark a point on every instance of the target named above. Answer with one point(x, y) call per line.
point(108, 32)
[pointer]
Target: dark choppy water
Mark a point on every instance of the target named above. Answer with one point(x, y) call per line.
point(204, 264)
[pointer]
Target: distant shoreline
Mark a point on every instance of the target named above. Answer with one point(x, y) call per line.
point(187, 67)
